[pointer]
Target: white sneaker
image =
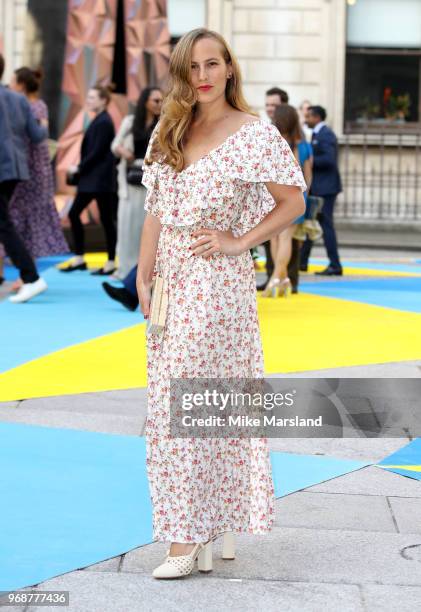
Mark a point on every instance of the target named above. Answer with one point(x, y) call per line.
point(28, 291)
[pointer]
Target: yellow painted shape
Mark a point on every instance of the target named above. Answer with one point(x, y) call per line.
point(311, 332)
point(300, 333)
point(113, 361)
point(412, 468)
point(93, 260)
point(350, 271)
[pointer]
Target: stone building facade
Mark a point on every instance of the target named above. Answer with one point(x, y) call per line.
point(334, 53)
point(330, 52)
point(298, 45)
point(12, 33)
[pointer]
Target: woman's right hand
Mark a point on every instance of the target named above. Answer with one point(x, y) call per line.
point(144, 291)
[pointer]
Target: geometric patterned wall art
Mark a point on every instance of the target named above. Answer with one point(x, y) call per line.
point(89, 59)
point(147, 45)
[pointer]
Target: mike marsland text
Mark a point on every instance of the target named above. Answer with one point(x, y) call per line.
point(248, 421)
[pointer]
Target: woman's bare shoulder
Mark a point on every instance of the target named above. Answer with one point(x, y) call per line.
point(242, 118)
point(239, 119)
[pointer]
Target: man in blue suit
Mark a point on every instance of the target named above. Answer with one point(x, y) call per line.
point(17, 124)
point(326, 184)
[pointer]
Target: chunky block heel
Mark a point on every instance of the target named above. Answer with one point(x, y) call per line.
point(204, 559)
point(228, 546)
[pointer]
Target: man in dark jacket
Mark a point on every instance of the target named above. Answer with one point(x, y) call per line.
point(17, 124)
point(326, 184)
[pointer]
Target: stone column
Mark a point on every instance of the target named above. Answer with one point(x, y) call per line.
point(12, 34)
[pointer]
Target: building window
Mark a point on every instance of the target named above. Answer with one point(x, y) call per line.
point(185, 15)
point(383, 65)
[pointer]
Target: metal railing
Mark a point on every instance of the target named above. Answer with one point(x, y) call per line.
point(381, 177)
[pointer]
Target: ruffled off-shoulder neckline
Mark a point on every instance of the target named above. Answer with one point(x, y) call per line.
point(220, 146)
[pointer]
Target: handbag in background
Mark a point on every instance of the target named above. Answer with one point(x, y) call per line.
point(134, 173)
point(72, 178)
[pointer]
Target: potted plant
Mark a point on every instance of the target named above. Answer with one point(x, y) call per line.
point(396, 108)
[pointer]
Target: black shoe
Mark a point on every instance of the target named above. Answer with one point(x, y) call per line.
point(102, 272)
point(71, 268)
point(262, 286)
point(329, 271)
point(120, 294)
point(303, 268)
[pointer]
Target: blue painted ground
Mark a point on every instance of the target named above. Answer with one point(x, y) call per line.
point(71, 499)
point(43, 263)
point(74, 498)
point(74, 309)
point(291, 472)
point(401, 293)
point(408, 455)
point(414, 268)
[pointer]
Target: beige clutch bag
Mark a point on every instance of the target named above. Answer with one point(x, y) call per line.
point(159, 305)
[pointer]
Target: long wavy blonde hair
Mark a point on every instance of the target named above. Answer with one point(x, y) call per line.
point(180, 100)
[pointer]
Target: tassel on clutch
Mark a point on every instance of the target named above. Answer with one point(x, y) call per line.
point(159, 305)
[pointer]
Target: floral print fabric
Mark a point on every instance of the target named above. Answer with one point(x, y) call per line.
point(32, 208)
point(201, 487)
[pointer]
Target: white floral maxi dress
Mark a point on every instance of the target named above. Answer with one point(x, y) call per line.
point(201, 487)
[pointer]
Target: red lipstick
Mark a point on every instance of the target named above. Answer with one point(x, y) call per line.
point(205, 87)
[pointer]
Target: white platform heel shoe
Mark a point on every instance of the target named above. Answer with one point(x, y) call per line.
point(183, 565)
point(228, 546)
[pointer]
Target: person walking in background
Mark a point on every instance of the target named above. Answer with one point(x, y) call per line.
point(32, 208)
point(274, 97)
point(126, 295)
point(17, 124)
point(287, 121)
point(302, 112)
point(97, 181)
point(130, 146)
point(326, 184)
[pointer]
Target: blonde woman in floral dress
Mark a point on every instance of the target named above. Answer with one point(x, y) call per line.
point(219, 181)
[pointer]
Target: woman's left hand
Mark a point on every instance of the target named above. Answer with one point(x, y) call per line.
point(215, 241)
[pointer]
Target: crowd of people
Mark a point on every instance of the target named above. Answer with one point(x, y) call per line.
point(315, 147)
point(110, 172)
